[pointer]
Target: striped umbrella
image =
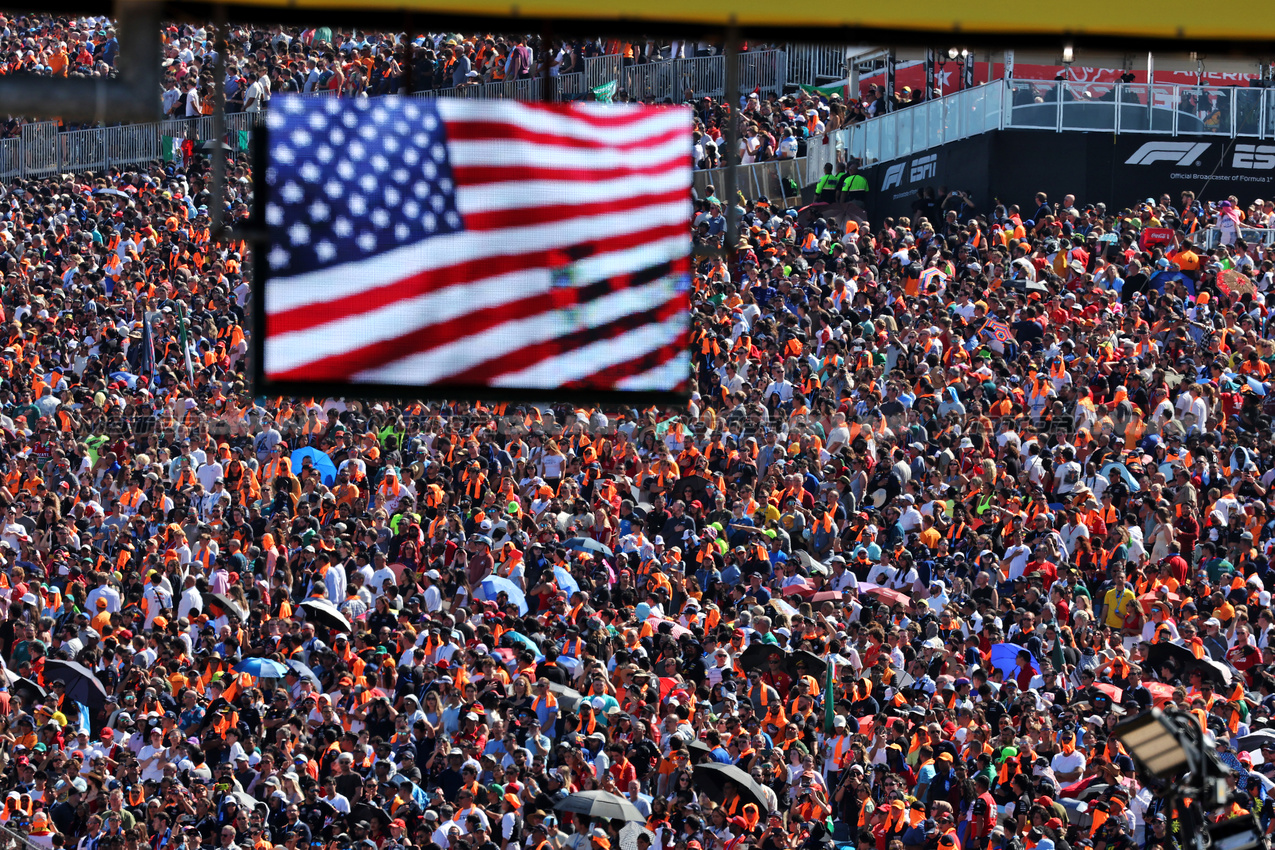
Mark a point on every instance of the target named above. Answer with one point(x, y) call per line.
point(932, 276)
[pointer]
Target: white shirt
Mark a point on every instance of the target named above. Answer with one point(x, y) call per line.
point(253, 97)
point(1072, 535)
point(190, 601)
point(110, 594)
point(1068, 764)
point(379, 578)
point(156, 600)
point(1017, 556)
point(154, 771)
point(1098, 484)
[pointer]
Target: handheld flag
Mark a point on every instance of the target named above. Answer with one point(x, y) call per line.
point(829, 699)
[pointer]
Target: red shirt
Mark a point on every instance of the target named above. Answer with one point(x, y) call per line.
point(623, 772)
point(1048, 572)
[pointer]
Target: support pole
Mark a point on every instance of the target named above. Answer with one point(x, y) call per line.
point(219, 125)
point(732, 137)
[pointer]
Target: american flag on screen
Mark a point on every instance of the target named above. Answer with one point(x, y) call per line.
point(472, 243)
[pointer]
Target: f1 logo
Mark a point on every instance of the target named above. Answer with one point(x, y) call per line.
point(1179, 153)
point(893, 176)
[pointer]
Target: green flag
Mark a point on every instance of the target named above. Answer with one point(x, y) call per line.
point(829, 697)
point(243, 140)
point(605, 92)
point(826, 91)
point(171, 147)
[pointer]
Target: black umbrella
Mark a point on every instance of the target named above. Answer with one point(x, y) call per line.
point(698, 750)
point(81, 684)
point(325, 613)
point(223, 602)
point(370, 813)
point(757, 655)
point(116, 193)
point(1216, 672)
point(1165, 654)
point(802, 663)
point(1252, 743)
point(303, 671)
point(711, 778)
point(210, 145)
point(568, 698)
point(692, 488)
point(27, 688)
point(588, 544)
point(809, 562)
point(601, 804)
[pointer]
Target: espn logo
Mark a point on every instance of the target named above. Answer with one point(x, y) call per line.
point(920, 168)
point(1257, 157)
point(1178, 153)
point(924, 167)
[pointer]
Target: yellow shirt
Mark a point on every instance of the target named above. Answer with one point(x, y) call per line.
point(1117, 603)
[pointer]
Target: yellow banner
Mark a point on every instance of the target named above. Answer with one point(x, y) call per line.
point(1171, 20)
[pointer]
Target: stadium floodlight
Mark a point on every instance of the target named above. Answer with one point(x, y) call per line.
point(1156, 742)
point(1239, 833)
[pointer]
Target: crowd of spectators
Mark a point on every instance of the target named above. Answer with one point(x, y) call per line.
point(954, 494)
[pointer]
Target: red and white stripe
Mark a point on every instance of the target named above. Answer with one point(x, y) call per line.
point(479, 307)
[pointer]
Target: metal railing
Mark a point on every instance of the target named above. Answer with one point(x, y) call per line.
point(1232, 111)
point(670, 79)
point(1049, 105)
point(14, 840)
point(914, 128)
point(1211, 237)
point(42, 150)
point(776, 179)
point(815, 64)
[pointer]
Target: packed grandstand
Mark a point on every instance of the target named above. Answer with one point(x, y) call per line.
point(955, 493)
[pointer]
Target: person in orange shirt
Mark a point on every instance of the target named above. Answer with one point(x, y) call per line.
point(59, 61)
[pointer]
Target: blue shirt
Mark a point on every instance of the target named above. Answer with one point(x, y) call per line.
point(191, 718)
point(730, 575)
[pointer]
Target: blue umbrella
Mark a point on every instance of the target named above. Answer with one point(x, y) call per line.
point(129, 379)
point(262, 668)
point(1005, 658)
point(1161, 278)
point(587, 544)
point(323, 463)
point(492, 586)
point(1129, 480)
point(566, 583)
point(523, 640)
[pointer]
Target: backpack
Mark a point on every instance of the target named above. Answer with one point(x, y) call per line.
point(515, 833)
point(524, 61)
